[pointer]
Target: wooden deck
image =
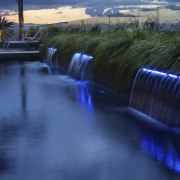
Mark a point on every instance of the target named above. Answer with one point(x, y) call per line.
point(19, 54)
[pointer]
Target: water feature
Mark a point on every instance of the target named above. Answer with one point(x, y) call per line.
point(58, 129)
point(51, 58)
point(80, 66)
point(157, 94)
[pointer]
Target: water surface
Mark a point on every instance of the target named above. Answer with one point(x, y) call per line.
point(54, 128)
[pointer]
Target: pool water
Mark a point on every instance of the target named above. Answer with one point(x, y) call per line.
point(55, 128)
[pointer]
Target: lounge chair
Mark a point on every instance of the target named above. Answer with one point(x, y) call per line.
point(29, 43)
point(26, 45)
point(35, 37)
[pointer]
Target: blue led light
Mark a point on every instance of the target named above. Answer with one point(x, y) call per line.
point(84, 95)
point(161, 73)
point(173, 76)
point(80, 66)
point(177, 166)
point(169, 160)
point(164, 154)
point(160, 155)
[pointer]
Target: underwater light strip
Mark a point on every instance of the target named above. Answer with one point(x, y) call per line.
point(161, 73)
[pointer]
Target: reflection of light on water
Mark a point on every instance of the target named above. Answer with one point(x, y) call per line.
point(53, 70)
point(165, 154)
point(84, 94)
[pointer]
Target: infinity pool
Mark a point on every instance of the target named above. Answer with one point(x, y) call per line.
point(55, 128)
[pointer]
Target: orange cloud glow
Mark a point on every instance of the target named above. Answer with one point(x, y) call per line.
point(48, 16)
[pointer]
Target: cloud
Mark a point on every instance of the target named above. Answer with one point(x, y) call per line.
point(173, 7)
point(7, 13)
point(98, 4)
point(102, 12)
point(148, 9)
point(95, 11)
point(114, 12)
point(46, 4)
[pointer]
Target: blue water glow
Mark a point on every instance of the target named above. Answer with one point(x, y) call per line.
point(54, 70)
point(80, 67)
point(84, 94)
point(165, 154)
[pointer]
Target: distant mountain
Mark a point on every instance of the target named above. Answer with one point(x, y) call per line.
point(28, 24)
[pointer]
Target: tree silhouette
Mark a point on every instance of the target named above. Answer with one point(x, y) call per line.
point(6, 28)
point(21, 20)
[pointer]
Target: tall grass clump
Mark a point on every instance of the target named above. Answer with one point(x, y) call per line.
point(121, 53)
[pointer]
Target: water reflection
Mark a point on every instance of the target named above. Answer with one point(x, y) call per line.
point(2, 69)
point(5, 162)
point(8, 134)
point(91, 94)
point(84, 94)
point(164, 148)
point(54, 69)
point(23, 87)
point(61, 131)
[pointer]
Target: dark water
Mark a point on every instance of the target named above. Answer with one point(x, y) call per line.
point(53, 128)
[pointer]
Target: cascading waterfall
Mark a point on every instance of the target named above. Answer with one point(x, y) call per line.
point(51, 59)
point(80, 66)
point(157, 94)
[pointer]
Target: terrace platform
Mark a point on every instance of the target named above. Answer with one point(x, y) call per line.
point(19, 54)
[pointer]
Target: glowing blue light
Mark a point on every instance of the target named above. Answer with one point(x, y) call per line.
point(169, 160)
point(87, 56)
point(160, 155)
point(177, 166)
point(79, 67)
point(173, 76)
point(163, 154)
point(53, 69)
point(90, 101)
point(161, 73)
point(84, 95)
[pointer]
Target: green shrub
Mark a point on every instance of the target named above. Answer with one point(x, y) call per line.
point(6, 28)
point(32, 31)
point(122, 52)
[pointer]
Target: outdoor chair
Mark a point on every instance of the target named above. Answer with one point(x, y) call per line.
point(35, 37)
point(29, 43)
point(26, 45)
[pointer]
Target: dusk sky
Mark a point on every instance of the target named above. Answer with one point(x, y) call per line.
point(52, 11)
